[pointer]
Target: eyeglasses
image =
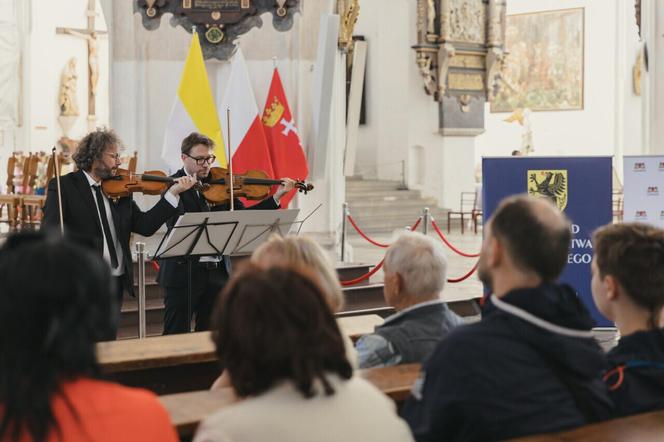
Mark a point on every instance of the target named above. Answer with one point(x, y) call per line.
point(115, 156)
point(203, 160)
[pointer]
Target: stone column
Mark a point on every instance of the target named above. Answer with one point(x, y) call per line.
point(652, 32)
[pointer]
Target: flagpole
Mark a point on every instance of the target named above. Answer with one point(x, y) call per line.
point(230, 158)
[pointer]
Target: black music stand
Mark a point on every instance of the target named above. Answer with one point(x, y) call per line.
point(195, 235)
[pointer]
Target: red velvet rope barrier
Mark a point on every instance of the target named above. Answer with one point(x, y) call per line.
point(466, 276)
point(363, 277)
point(376, 243)
point(364, 235)
point(440, 233)
point(380, 264)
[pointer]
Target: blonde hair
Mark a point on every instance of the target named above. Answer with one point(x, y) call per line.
point(301, 251)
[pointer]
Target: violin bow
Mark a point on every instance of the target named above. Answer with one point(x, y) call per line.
point(229, 159)
point(56, 169)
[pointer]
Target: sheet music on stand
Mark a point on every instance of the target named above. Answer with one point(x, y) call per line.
point(256, 226)
point(196, 234)
point(227, 233)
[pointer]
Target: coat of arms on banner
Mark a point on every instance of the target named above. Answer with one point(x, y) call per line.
point(550, 184)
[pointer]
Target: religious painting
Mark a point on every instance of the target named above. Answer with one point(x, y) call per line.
point(544, 67)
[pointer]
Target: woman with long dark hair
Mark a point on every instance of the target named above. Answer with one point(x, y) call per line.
point(55, 303)
point(283, 353)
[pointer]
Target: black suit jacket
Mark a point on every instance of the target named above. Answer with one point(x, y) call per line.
point(173, 271)
point(81, 218)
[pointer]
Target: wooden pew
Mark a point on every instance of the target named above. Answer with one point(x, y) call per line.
point(647, 427)
point(186, 362)
point(188, 409)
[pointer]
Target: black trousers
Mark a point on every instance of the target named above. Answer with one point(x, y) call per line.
point(111, 333)
point(205, 289)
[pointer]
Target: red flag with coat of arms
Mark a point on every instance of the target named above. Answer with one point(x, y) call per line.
point(283, 140)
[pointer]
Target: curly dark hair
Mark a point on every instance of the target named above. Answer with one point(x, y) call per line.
point(633, 253)
point(194, 139)
point(48, 327)
point(93, 146)
point(273, 325)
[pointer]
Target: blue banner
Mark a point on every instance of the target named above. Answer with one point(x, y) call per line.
point(580, 186)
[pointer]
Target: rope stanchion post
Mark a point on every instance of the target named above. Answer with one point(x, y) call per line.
point(344, 231)
point(426, 216)
point(140, 252)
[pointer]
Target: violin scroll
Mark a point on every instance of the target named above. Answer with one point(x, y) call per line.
point(303, 187)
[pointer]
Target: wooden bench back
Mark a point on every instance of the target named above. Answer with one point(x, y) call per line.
point(647, 427)
point(179, 363)
point(189, 348)
point(187, 410)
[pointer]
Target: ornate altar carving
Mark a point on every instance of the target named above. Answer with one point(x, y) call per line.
point(218, 22)
point(348, 11)
point(461, 47)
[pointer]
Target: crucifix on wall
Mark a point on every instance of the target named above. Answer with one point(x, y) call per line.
point(90, 34)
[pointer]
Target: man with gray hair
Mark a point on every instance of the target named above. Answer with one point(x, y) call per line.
point(415, 270)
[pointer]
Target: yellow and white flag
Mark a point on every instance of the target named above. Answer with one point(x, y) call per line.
point(193, 111)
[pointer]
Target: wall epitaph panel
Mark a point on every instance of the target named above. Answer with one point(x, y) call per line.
point(218, 22)
point(460, 52)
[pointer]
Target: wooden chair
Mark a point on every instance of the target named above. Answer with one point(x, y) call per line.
point(477, 214)
point(465, 212)
point(10, 201)
point(617, 204)
point(31, 204)
point(133, 161)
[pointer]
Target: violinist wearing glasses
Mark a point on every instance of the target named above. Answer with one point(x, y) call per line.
point(88, 212)
point(210, 273)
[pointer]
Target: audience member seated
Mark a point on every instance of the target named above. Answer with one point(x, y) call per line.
point(530, 365)
point(415, 269)
point(55, 302)
point(628, 288)
point(303, 252)
point(282, 350)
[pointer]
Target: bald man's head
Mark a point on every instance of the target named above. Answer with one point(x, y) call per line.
point(535, 234)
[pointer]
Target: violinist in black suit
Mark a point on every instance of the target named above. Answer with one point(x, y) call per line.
point(89, 214)
point(208, 274)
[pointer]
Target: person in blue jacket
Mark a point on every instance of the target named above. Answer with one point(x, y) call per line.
point(530, 365)
point(628, 288)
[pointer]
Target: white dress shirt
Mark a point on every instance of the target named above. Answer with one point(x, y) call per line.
point(119, 270)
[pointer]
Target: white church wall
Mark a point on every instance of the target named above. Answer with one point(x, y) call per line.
point(384, 141)
point(49, 52)
point(402, 121)
point(601, 126)
point(10, 50)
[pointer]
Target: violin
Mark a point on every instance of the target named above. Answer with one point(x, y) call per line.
point(125, 182)
point(252, 185)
